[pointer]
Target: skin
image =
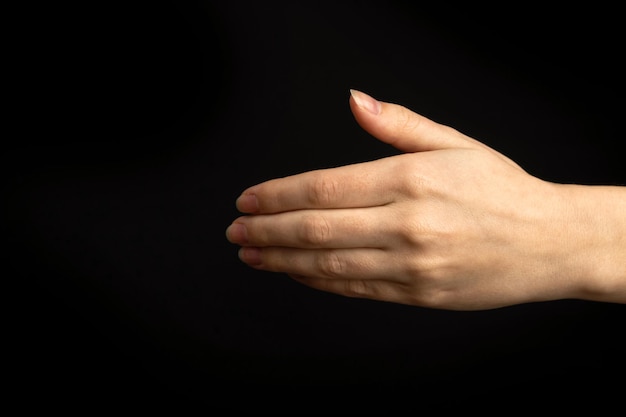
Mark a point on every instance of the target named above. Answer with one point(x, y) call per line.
point(450, 224)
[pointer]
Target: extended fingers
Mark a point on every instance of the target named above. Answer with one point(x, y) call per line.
point(361, 263)
point(365, 184)
point(342, 228)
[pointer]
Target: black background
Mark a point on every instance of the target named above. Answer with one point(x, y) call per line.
point(140, 124)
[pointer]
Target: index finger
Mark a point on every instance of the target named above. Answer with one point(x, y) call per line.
point(358, 185)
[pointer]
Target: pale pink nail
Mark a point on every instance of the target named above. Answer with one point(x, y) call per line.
point(237, 233)
point(247, 203)
point(366, 102)
point(250, 255)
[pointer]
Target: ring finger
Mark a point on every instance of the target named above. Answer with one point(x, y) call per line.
point(358, 263)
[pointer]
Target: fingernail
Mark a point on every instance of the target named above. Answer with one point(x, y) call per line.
point(247, 203)
point(237, 233)
point(366, 102)
point(249, 255)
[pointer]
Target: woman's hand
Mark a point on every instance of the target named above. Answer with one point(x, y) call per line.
point(451, 224)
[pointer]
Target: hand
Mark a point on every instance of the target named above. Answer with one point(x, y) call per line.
point(450, 223)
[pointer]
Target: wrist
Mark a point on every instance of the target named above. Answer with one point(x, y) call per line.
point(597, 241)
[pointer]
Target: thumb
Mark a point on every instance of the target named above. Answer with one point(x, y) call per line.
point(402, 128)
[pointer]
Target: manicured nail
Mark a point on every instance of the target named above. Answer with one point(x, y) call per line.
point(247, 203)
point(250, 255)
point(237, 233)
point(366, 102)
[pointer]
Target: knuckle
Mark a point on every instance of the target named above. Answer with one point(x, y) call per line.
point(430, 287)
point(323, 191)
point(414, 231)
point(412, 181)
point(356, 288)
point(330, 265)
point(315, 230)
point(432, 298)
point(418, 269)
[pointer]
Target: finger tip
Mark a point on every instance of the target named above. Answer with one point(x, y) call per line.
point(237, 233)
point(365, 102)
point(247, 203)
point(250, 256)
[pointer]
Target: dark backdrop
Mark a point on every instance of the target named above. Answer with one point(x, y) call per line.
point(145, 122)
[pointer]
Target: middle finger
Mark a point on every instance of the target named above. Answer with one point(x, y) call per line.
point(336, 228)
